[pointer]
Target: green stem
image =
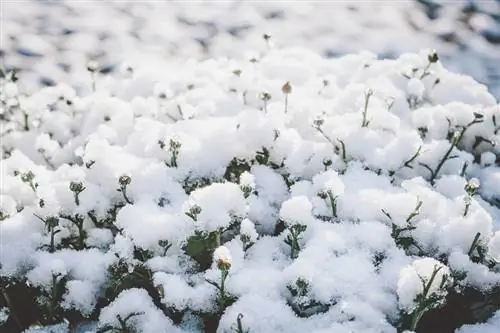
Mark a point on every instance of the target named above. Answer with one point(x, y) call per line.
point(26, 125)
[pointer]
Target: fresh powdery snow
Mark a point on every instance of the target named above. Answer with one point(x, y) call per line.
point(279, 192)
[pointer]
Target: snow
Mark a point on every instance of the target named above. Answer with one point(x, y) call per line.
point(54, 42)
point(209, 190)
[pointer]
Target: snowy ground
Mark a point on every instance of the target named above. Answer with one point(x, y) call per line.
point(265, 190)
point(54, 39)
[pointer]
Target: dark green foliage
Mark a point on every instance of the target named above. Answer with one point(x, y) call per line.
point(200, 247)
point(301, 302)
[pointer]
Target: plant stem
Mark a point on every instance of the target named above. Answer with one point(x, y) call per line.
point(26, 125)
point(368, 94)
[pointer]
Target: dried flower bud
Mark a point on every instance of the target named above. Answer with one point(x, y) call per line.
point(237, 72)
point(266, 37)
point(287, 88)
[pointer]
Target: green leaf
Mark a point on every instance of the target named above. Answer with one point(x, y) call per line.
point(200, 247)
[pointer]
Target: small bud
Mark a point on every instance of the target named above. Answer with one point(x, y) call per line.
point(478, 116)
point(265, 96)
point(124, 180)
point(237, 72)
point(287, 88)
point(472, 186)
point(318, 123)
point(52, 222)
point(266, 37)
point(433, 57)
point(76, 187)
point(28, 176)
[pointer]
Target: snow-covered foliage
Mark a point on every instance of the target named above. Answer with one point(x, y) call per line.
point(284, 192)
point(50, 41)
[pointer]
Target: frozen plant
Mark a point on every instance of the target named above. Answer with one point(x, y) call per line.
point(265, 97)
point(471, 189)
point(301, 301)
point(76, 188)
point(456, 138)
point(238, 327)
point(124, 181)
point(421, 286)
point(222, 260)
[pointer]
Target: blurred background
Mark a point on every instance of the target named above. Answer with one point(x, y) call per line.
point(52, 41)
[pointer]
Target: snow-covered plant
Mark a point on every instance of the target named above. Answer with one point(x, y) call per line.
point(471, 188)
point(301, 301)
point(123, 182)
point(422, 286)
point(222, 260)
point(238, 327)
point(186, 199)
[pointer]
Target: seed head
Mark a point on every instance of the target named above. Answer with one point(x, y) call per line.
point(287, 88)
